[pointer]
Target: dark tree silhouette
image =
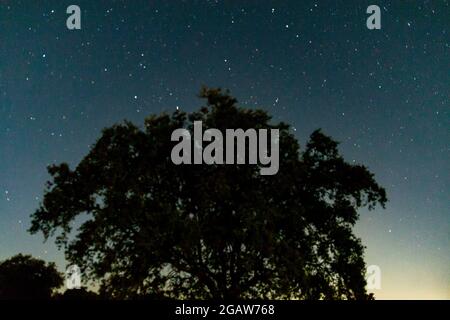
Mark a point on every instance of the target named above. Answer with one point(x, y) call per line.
point(24, 277)
point(78, 294)
point(211, 231)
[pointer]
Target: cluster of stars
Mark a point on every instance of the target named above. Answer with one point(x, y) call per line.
point(383, 94)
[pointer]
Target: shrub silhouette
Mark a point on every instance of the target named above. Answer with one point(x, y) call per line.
point(78, 294)
point(25, 277)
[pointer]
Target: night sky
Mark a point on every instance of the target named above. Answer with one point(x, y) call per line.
point(384, 94)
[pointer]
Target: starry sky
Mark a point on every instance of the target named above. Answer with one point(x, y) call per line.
point(384, 94)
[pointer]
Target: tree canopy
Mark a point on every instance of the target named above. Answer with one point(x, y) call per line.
point(153, 228)
point(25, 277)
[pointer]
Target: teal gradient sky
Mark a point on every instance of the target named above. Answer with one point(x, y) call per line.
point(383, 94)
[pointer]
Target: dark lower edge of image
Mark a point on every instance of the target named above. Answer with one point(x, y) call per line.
point(179, 309)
